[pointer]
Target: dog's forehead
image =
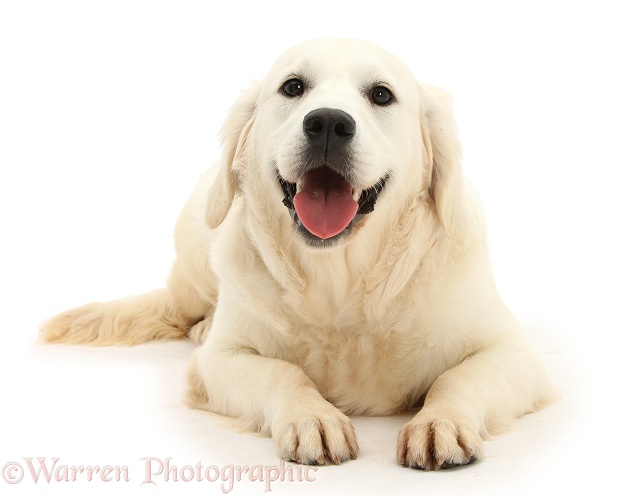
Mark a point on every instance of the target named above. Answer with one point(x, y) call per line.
point(334, 58)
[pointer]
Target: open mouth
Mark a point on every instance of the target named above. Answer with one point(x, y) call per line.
point(325, 206)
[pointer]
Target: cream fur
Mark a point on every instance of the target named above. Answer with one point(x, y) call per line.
point(402, 313)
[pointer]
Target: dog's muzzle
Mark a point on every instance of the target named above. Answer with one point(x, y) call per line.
point(323, 202)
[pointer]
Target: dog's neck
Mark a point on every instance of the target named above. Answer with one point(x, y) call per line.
point(374, 269)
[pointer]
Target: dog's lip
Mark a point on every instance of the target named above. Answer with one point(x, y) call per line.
point(365, 197)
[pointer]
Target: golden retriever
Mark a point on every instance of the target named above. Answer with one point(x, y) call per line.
point(334, 263)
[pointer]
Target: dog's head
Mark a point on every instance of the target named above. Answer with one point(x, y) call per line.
point(338, 132)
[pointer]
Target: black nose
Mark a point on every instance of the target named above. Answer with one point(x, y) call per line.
point(328, 130)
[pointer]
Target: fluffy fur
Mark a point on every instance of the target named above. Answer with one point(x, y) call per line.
point(401, 313)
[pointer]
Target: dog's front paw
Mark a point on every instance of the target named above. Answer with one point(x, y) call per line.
point(435, 442)
point(319, 436)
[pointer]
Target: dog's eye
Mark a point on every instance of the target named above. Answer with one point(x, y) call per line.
point(381, 95)
point(293, 87)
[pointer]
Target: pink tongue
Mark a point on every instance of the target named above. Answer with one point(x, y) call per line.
point(325, 205)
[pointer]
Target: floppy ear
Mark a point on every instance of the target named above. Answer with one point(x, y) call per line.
point(233, 140)
point(442, 153)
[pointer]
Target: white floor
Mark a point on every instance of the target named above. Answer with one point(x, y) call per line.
point(123, 408)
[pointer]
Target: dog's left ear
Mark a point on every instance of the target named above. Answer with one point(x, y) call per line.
point(442, 153)
point(234, 135)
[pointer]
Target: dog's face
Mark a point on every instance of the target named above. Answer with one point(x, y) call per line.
point(337, 132)
point(335, 118)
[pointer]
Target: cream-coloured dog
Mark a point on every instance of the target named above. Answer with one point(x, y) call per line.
point(334, 262)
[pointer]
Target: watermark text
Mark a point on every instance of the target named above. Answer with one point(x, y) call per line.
point(155, 470)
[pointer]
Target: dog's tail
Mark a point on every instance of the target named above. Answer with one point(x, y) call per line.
point(128, 321)
point(167, 313)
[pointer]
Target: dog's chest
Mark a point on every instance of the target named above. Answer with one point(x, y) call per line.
point(364, 369)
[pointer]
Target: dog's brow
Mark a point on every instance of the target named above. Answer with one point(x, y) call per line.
point(372, 79)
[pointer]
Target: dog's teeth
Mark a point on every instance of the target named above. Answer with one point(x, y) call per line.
point(356, 195)
point(299, 185)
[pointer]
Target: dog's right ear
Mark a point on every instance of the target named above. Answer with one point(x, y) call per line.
point(233, 140)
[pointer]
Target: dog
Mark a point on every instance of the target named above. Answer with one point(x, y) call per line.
point(334, 262)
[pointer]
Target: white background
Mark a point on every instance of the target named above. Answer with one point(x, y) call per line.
point(109, 111)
